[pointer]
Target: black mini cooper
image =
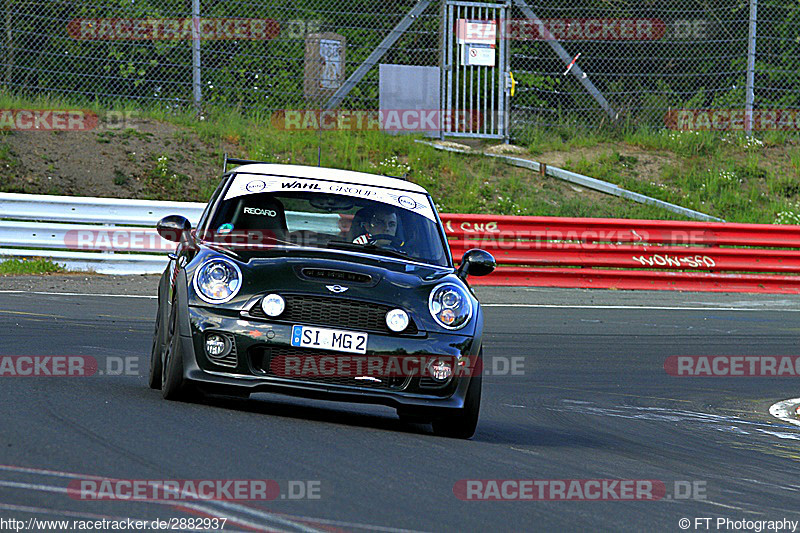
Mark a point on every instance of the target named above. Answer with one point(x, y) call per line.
point(321, 283)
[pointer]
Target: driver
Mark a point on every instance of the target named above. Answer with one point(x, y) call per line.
point(382, 221)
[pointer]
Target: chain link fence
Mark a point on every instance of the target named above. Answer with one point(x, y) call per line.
point(645, 59)
point(638, 63)
point(245, 54)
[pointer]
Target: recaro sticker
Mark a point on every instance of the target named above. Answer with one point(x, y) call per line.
point(258, 211)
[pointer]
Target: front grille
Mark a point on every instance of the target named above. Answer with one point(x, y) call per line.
point(269, 361)
point(336, 275)
point(427, 382)
point(334, 312)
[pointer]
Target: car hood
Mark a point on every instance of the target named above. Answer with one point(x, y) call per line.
point(338, 274)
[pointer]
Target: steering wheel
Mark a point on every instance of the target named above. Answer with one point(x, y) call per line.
point(394, 241)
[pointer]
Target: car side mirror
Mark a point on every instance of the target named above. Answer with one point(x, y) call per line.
point(174, 228)
point(476, 263)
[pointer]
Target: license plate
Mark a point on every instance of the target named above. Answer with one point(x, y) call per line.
point(329, 339)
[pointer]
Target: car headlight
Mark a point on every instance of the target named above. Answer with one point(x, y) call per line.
point(217, 280)
point(450, 306)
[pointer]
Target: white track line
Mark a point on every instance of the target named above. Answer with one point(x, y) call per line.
point(8, 291)
point(531, 306)
point(207, 507)
point(38, 487)
point(785, 411)
point(67, 514)
point(71, 514)
point(651, 307)
point(292, 521)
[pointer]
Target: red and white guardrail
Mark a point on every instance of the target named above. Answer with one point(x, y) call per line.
point(632, 254)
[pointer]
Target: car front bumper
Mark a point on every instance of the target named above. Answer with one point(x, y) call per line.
point(253, 338)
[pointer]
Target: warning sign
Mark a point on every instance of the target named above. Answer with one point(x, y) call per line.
point(478, 55)
point(325, 64)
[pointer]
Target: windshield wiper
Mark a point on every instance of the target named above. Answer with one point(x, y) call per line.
point(344, 245)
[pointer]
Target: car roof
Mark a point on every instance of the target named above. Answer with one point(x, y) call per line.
point(330, 174)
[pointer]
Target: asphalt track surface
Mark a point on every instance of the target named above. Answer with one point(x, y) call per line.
point(593, 401)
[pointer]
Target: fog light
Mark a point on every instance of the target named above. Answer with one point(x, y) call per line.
point(216, 345)
point(273, 305)
point(397, 320)
point(441, 370)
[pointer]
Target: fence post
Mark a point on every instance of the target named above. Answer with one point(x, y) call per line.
point(9, 44)
point(196, 79)
point(444, 66)
point(751, 68)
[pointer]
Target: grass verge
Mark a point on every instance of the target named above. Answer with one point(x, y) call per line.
point(727, 175)
point(29, 266)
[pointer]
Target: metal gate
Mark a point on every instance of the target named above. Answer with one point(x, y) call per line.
point(475, 74)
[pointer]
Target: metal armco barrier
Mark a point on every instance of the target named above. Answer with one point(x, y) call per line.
point(105, 235)
point(112, 236)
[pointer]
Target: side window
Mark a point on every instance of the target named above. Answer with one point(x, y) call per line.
point(203, 222)
point(329, 223)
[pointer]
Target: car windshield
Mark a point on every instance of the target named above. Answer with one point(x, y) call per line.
point(321, 219)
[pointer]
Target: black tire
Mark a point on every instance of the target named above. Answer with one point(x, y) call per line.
point(173, 384)
point(463, 422)
point(156, 353)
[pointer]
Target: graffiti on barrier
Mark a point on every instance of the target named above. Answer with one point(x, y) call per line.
point(474, 227)
point(696, 261)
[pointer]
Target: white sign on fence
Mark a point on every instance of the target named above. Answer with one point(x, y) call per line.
point(478, 55)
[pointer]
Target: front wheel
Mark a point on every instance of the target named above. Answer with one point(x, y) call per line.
point(463, 422)
point(156, 353)
point(173, 385)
